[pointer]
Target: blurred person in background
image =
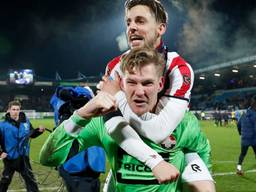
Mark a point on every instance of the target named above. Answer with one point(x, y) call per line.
point(81, 170)
point(237, 115)
point(247, 130)
point(15, 133)
point(2, 153)
point(225, 118)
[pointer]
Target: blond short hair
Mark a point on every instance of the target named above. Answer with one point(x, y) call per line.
point(140, 57)
point(14, 103)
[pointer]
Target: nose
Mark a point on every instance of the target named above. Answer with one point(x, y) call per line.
point(132, 27)
point(139, 91)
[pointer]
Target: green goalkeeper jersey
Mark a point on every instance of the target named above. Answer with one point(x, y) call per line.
point(129, 173)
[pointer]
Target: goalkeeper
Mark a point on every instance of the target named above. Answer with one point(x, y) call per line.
point(129, 173)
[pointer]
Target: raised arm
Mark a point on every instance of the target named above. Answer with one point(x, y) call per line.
point(57, 146)
point(79, 126)
point(129, 140)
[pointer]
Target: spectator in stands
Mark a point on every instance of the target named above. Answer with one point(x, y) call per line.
point(15, 132)
point(247, 129)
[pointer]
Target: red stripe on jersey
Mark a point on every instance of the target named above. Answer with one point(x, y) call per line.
point(111, 64)
point(186, 75)
point(176, 61)
point(185, 72)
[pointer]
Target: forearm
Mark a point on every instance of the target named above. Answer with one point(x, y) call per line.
point(129, 141)
point(35, 133)
point(155, 127)
point(57, 146)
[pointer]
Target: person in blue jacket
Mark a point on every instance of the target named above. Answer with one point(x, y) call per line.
point(247, 129)
point(81, 171)
point(15, 132)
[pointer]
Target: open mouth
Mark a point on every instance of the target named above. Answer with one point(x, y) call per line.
point(135, 38)
point(139, 102)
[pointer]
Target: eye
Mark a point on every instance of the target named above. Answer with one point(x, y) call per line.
point(140, 20)
point(148, 83)
point(128, 21)
point(131, 82)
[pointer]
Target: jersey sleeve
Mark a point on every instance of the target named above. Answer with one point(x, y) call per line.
point(57, 146)
point(112, 66)
point(129, 140)
point(179, 77)
point(155, 127)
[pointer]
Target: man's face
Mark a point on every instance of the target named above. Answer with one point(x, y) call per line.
point(14, 111)
point(142, 27)
point(141, 88)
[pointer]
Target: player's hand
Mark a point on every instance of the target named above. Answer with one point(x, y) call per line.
point(41, 128)
point(165, 172)
point(111, 86)
point(101, 104)
point(3, 155)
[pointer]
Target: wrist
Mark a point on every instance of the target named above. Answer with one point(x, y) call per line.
point(154, 160)
point(79, 119)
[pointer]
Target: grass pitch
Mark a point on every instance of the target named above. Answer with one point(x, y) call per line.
point(225, 150)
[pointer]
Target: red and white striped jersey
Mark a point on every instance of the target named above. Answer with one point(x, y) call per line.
point(180, 75)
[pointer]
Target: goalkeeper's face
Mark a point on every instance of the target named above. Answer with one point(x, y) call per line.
point(141, 87)
point(14, 111)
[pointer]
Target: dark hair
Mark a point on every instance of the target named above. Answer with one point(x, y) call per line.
point(155, 7)
point(140, 57)
point(14, 103)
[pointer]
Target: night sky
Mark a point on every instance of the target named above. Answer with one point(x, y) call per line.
point(68, 37)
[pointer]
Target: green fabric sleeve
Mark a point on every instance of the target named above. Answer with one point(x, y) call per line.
point(57, 146)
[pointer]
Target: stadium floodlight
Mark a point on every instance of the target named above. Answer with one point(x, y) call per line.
point(202, 77)
point(216, 74)
point(234, 70)
point(254, 65)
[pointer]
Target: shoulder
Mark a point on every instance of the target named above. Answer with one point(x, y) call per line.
point(174, 60)
point(22, 117)
point(1, 124)
point(114, 62)
point(4, 122)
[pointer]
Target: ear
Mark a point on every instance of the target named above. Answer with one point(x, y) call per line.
point(162, 28)
point(161, 84)
point(122, 83)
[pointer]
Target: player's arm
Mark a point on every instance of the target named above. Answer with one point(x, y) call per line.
point(35, 132)
point(118, 128)
point(129, 140)
point(239, 125)
point(173, 105)
point(79, 126)
point(57, 146)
